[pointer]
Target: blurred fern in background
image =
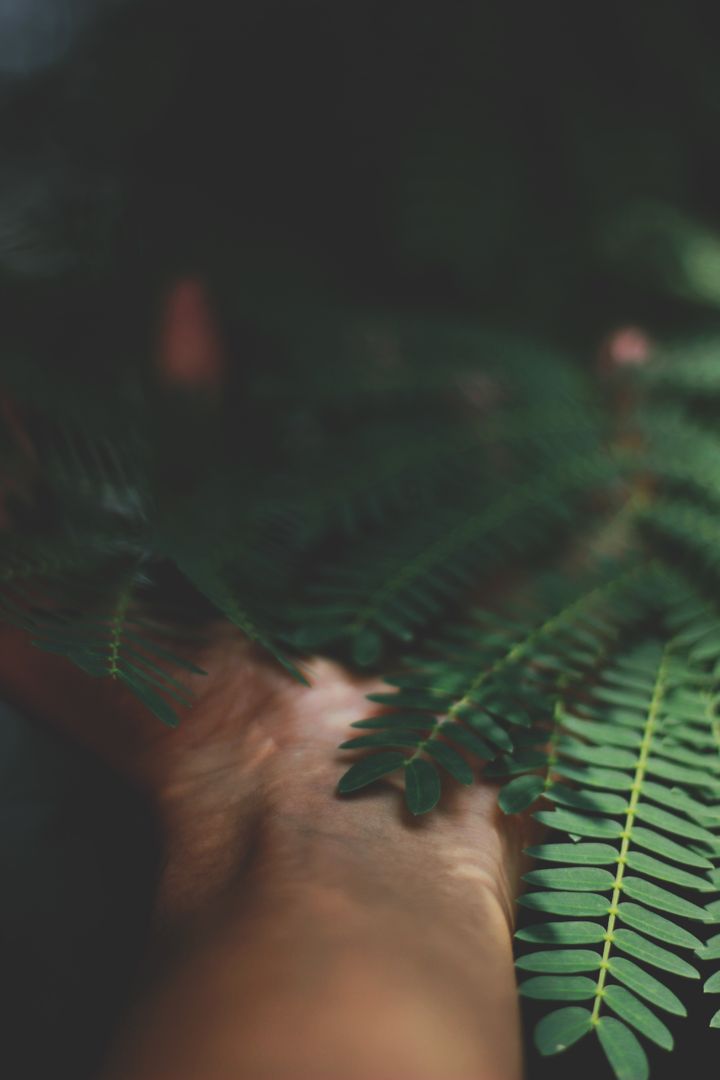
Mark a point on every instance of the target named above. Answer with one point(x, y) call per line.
point(420, 226)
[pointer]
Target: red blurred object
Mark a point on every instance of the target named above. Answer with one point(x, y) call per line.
point(191, 353)
point(629, 346)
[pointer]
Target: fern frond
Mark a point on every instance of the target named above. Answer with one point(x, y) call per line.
point(393, 359)
point(40, 573)
point(696, 726)
point(689, 367)
point(397, 593)
point(228, 563)
point(80, 463)
point(408, 463)
point(480, 678)
point(119, 644)
point(557, 749)
point(681, 452)
point(686, 526)
point(641, 842)
point(217, 586)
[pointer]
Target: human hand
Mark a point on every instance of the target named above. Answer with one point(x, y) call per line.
point(296, 934)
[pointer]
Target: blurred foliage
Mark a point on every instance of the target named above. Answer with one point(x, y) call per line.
point(417, 222)
point(530, 167)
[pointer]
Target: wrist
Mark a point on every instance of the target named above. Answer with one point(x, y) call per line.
point(280, 821)
point(323, 967)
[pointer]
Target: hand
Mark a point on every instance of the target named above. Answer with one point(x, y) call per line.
point(297, 935)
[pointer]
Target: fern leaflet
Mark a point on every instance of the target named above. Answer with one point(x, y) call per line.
point(120, 645)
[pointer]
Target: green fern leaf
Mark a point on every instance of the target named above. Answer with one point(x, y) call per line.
point(587, 879)
point(117, 646)
point(580, 854)
point(581, 824)
point(561, 1029)
point(625, 1054)
point(624, 1004)
point(661, 845)
point(562, 933)
point(394, 737)
point(594, 802)
point(627, 972)
point(472, 683)
point(586, 889)
point(558, 988)
point(369, 770)
point(397, 594)
point(450, 760)
point(681, 451)
point(520, 793)
point(657, 926)
point(665, 871)
point(422, 786)
point(560, 960)
point(566, 903)
point(640, 948)
point(662, 899)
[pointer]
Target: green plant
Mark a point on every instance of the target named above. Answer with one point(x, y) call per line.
point(387, 507)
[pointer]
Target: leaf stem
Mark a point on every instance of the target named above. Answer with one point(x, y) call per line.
point(648, 735)
point(117, 624)
point(519, 648)
point(524, 496)
point(554, 737)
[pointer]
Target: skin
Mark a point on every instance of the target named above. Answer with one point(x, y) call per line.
point(297, 934)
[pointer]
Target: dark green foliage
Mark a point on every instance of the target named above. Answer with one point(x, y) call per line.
point(115, 642)
point(391, 489)
point(475, 689)
point(609, 700)
point(537, 584)
point(662, 688)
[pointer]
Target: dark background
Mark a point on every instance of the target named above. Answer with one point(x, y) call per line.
point(549, 168)
point(79, 859)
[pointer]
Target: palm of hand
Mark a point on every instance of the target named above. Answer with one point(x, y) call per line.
point(255, 759)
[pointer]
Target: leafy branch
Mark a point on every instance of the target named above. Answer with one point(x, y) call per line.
point(119, 644)
point(467, 694)
point(642, 708)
